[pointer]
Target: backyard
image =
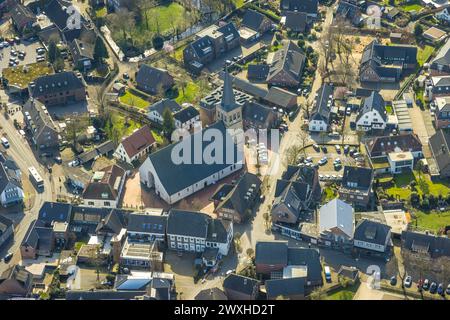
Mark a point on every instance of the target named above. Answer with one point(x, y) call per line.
point(133, 100)
point(424, 54)
point(344, 293)
point(432, 221)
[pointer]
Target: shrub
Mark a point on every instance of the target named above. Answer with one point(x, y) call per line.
point(158, 42)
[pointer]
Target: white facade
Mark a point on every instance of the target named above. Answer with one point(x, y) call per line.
point(188, 124)
point(444, 15)
point(11, 195)
point(150, 178)
point(106, 203)
point(372, 246)
point(155, 116)
point(121, 154)
point(400, 161)
point(370, 120)
point(318, 126)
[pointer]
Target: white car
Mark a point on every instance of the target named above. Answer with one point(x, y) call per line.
point(74, 163)
point(309, 159)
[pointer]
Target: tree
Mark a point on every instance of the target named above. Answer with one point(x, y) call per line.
point(418, 30)
point(318, 294)
point(100, 51)
point(168, 122)
point(123, 20)
point(53, 52)
point(250, 252)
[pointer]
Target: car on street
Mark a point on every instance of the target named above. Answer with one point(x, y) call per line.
point(323, 161)
point(393, 281)
point(230, 272)
point(408, 282)
point(8, 257)
point(433, 287)
point(426, 284)
point(348, 111)
point(327, 273)
point(74, 163)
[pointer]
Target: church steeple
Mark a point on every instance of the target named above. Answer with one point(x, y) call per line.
point(228, 103)
point(228, 110)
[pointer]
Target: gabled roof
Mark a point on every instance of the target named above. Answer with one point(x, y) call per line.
point(105, 184)
point(151, 77)
point(55, 83)
point(240, 284)
point(441, 81)
point(285, 287)
point(362, 177)
point(175, 177)
point(211, 294)
point(102, 149)
point(323, 103)
point(56, 11)
point(443, 56)
point(308, 6)
point(5, 223)
point(163, 104)
point(202, 47)
point(55, 211)
point(271, 252)
point(253, 19)
point(257, 71)
point(280, 97)
point(19, 274)
point(186, 114)
point(306, 257)
point(289, 58)
point(187, 223)
point(21, 15)
point(38, 236)
point(434, 245)
point(337, 214)
point(8, 179)
point(229, 32)
point(139, 140)
point(147, 223)
point(296, 21)
point(256, 113)
point(386, 144)
point(112, 223)
point(374, 102)
point(440, 147)
point(372, 232)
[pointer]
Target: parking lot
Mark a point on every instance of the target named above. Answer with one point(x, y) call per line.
point(29, 48)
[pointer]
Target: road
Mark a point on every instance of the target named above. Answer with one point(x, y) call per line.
point(21, 152)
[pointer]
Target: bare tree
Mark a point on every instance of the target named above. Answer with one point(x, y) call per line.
point(123, 20)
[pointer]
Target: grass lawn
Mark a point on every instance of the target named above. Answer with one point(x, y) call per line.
point(133, 100)
point(389, 109)
point(238, 3)
point(17, 76)
point(193, 92)
point(344, 293)
point(165, 17)
point(329, 194)
point(432, 221)
point(101, 12)
point(412, 7)
point(424, 54)
point(158, 137)
point(124, 126)
point(402, 190)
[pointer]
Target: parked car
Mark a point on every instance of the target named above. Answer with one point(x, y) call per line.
point(408, 282)
point(440, 289)
point(58, 160)
point(327, 273)
point(348, 111)
point(426, 284)
point(74, 163)
point(447, 291)
point(324, 149)
point(338, 148)
point(433, 287)
point(316, 147)
point(309, 159)
point(8, 257)
point(393, 281)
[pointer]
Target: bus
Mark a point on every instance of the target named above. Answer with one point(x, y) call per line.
point(36, 177)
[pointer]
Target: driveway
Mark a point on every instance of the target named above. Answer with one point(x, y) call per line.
point(422, 126)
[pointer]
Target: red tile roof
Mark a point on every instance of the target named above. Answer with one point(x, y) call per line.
point(137, 141)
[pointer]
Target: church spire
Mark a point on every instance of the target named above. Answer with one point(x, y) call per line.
point(228, 103)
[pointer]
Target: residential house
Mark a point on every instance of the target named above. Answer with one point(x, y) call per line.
point(392, 13)
point(441, 62)
point(310, 7)
point(175, 179)
point(209, 44)
point(51, 212)
point(211, 294)
point(16, 282)
point(434, 34)
point(44, 132)
point(440, 147)
point(280, 98)
point(381, 63)
point(351, 11)
point(186, 118)
point(136, 145)
point(257, 72)
point(443, 15)
point(372, 238)
point(372, 114)
point(257, 116)
point(239, 287)
point(83, 50)
point(437, 86)
point(295, 21)
point(320, 114)
point(394, 153)
point(356, 186)
point(11, 191)
point(155, 111)
point(442, 113)
point(236, 201)
point(286, 66)
point(271, 256)
point(425, 246)
point(22, 18)
point(9, 163)
point(153, 80)
point(336, 223)
point(289, 288)
point(197, 232)
point(6, 230)
point(58, 89)
point(104, 149)
point(297, 191)
point(105, 188)
point(253, 26)
point(38, 241)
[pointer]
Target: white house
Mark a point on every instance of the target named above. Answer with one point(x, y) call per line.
point(135, 146)
point(195, 232)
point(443, 15)
point(186, 118)
point(336, 221)
point(400, 162)
point(156, 110)
point(105, 188)
point(11, 191)
point(372, 114)
point(174, 177)
point(372, 236)
point(320, 114)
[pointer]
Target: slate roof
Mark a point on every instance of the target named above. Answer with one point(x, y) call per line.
point(280, 97)
point(55, 211)
point(443, 55)
point(187, 223)
point(285, 287)
point(434, 245)
point(440, 147)
point(228, 102)
point(306, 257)
point(257, 113)
point(151, 78)
point(18, 273)
point(271, 252)
point(186, 114)
point(337, 214)
point(112, 223)
point(218, 230)
point(296, 21)
point(372, 232)
point(139, 140)
point(350, 11)
point(211, 294)
point(56, 11)
point(257, 71)
point(9, 179)
point(5, 223)
point(382, 53)
point(55, 83)
point(38, 236)
point(147, 223)
point(81, 50)
point(387, 144)
point(21, 15)
point(202, 47)
point(161, 105)
point(253, 19)
point(323, 103)
point(289, 58)
point(238, 199)
point(308, 6)
point(105, 188)
point(441, 81)
point(374, 102)
point(102, 149)
point(175, 177)
point(229, 31)
point(363, 177)
point(240, 284)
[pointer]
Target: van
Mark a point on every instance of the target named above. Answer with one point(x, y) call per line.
point(327, 273)
point(5, 142)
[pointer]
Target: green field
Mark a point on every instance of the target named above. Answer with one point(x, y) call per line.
point(403, 191)
point(412, 7)
point(165, 17)
point(123, 127)
point(432, 221)
point(133, 100)
point(344, 293)
point(424, 54)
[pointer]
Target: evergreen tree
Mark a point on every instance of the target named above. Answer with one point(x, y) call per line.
point(100, 51)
